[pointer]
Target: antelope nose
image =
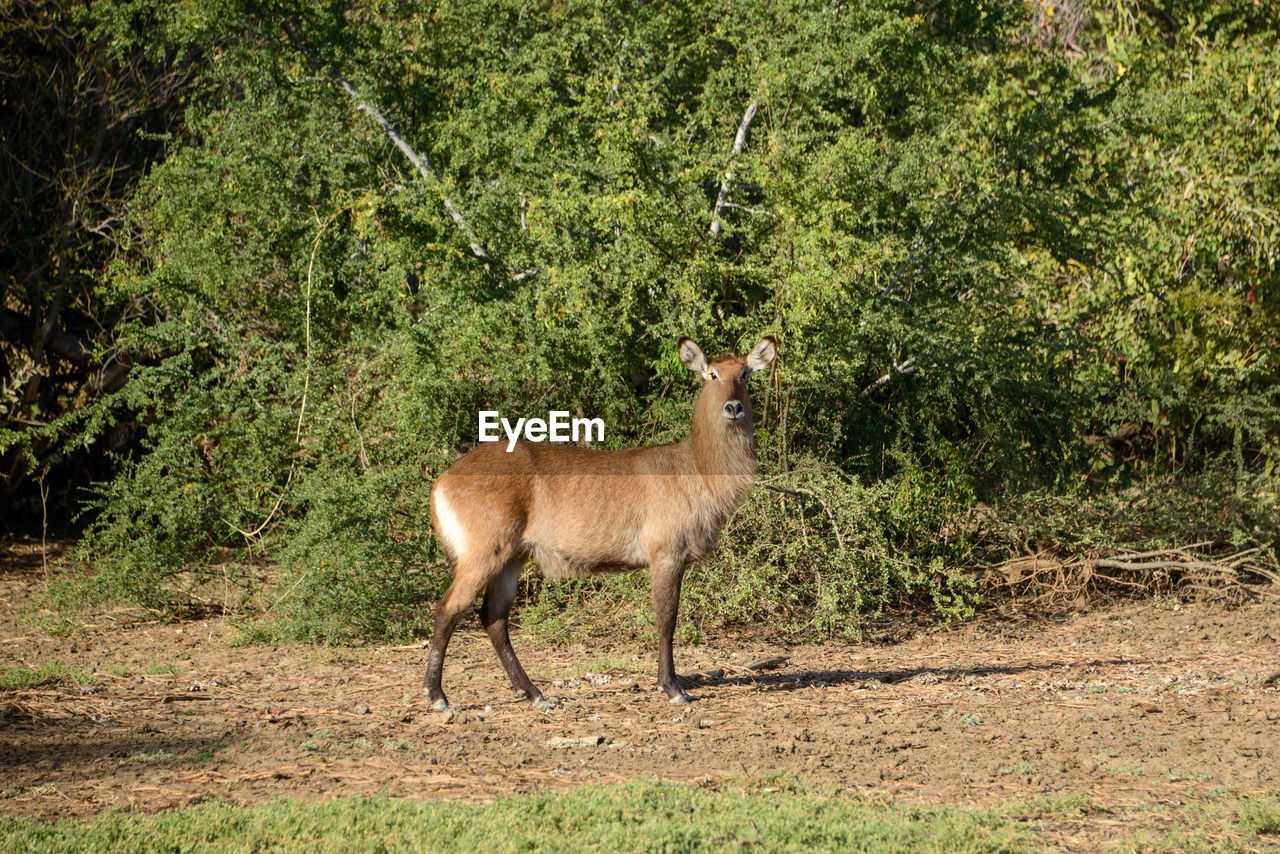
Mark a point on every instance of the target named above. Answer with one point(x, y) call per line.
point(733, 410)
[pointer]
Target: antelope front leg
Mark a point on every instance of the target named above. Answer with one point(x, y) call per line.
point(665, 576)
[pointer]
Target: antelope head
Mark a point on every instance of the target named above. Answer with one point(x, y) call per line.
point(725, 404)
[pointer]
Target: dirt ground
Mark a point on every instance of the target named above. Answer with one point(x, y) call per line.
point(1154, 705)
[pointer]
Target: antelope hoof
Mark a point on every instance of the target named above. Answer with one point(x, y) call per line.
point(543, 704)
point(441, 705)
point(680, 699)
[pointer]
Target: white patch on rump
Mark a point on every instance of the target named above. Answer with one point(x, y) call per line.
point(451, 530)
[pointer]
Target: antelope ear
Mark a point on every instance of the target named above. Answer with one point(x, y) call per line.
point(692, 356)
point(761, 355)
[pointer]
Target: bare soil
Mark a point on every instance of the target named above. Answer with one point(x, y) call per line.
point(1153, 705)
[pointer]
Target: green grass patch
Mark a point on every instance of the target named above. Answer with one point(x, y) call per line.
point(52, 673)
point(205, 754)
point(260, 633)
point(1068, 804)
point(1260, 815)
point(390, 745)
point(635, 816)
point(775, 813)
point(607, 664)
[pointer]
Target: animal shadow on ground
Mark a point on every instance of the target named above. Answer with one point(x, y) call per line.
point(42, 742)
point(790, 681)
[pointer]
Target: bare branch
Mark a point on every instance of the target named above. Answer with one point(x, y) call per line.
point(903, 368)
point(419, 161)
point(835, 525)
point(752, 211)
point(726, 186)
point(15, 328)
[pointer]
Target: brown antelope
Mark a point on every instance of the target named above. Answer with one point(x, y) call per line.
point(577, 511)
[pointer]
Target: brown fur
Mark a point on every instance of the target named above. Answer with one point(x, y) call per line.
point(576, 511)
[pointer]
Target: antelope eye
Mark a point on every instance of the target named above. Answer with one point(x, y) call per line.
point(714, 375)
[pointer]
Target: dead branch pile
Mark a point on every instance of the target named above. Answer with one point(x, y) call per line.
point(1190, 571)
point(1251, 571)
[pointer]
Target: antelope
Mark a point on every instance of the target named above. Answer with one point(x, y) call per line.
point(576, 511)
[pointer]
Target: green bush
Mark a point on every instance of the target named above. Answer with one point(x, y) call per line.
point(361, 564)
point(1023, 280)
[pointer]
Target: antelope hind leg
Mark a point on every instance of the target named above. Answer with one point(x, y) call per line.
point(468, 581)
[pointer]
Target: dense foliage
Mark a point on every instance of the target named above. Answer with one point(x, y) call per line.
point(1021, 260)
